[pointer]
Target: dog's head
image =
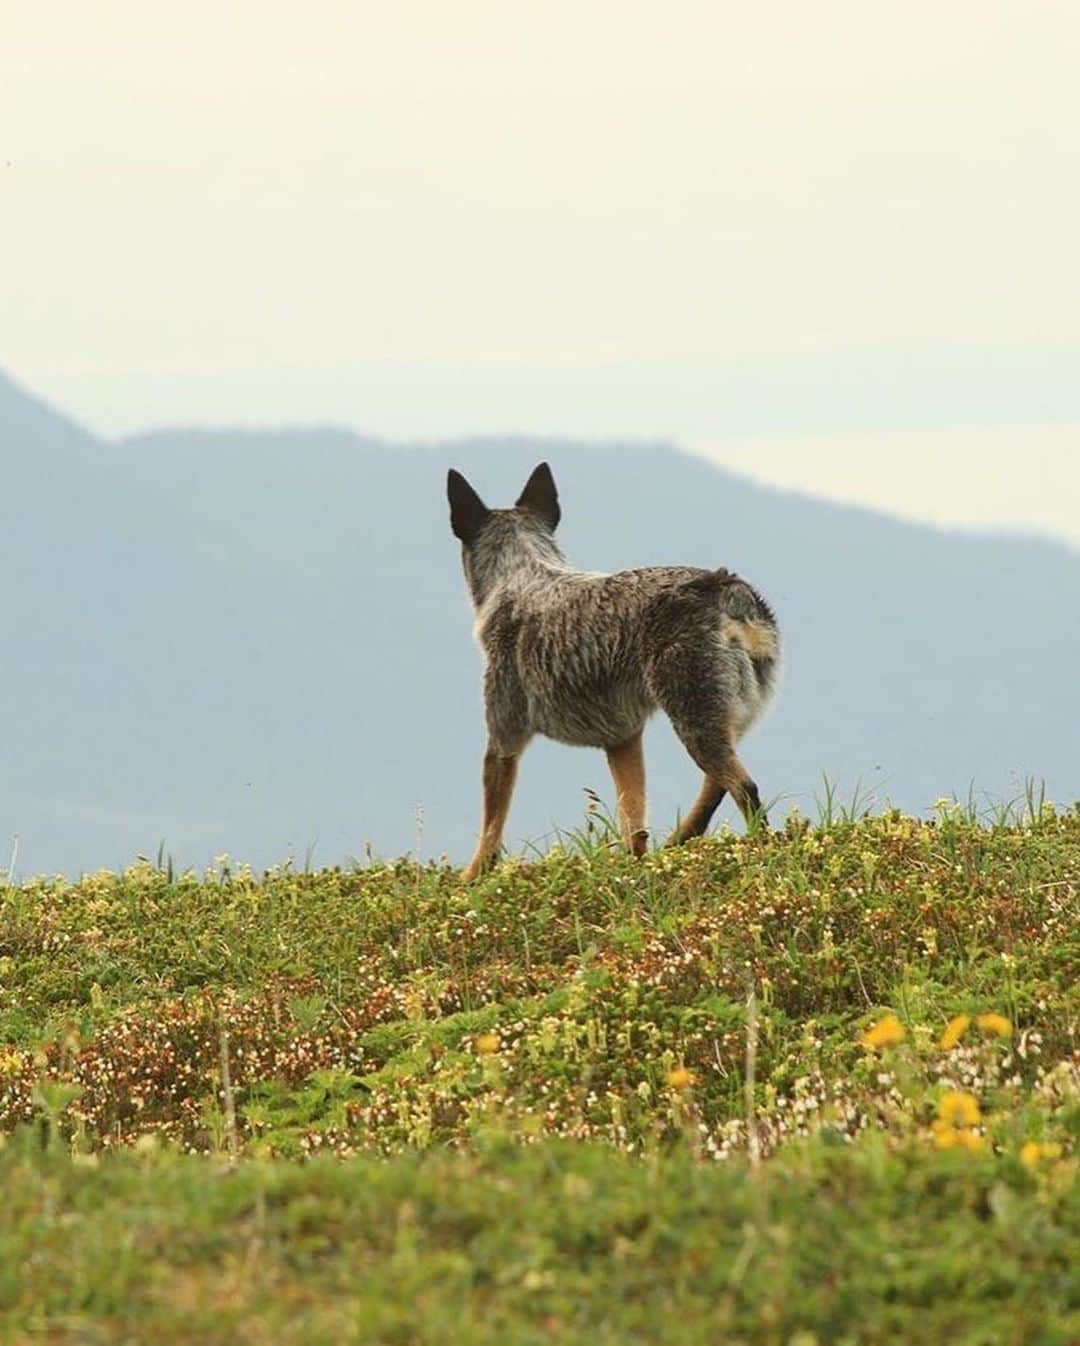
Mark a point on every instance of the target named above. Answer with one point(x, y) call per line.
point(469, 516)
point(497, 543)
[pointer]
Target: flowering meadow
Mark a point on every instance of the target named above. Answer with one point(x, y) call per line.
point(804, 1087)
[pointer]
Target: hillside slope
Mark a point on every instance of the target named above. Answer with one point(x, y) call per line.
point(820, 1085)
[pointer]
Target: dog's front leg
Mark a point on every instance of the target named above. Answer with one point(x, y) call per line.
point(500, 772)
point(627, 763)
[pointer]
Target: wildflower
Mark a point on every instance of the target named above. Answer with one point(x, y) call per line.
point(949, 1137)
point(957, 1112)
point(1033, 1152)
point(954, 1031)
point(958, 1109)
point(487, 1044)
point(10, 1063)
point(680, 1078)
point(996, 1024)
point(885, 1033)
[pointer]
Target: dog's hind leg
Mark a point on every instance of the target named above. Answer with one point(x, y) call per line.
point(713, 749)
point(627, 763)
point(724, 774)
point(693, 694)
point(500, 772)
point(701, 812)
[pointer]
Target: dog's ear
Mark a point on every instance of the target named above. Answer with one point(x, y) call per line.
point(467, 510)
point(541, 496)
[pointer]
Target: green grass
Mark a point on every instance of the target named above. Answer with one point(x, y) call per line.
point(540, 1244)
point(382, 1106)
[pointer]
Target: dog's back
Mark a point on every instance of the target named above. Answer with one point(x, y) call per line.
point(590, 657)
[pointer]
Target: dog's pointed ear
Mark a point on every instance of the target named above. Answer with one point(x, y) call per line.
point(467, 510)
point(541, 496)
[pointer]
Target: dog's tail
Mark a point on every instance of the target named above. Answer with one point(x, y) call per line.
point(747, 619)
point(758, 639)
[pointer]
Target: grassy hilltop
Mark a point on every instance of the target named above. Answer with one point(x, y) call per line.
point(814, 1086)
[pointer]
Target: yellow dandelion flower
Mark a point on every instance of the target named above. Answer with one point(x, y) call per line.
point(10, 1063)
point(487, 1044)
point(950, 1137)
point(1032, 1152)
point(680, 1078)
point(996, 1024)
point(885, 1033)
point(946, 1136)
point(959, 1109)
point(954, 1032)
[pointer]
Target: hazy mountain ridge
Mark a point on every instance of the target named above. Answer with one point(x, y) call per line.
point(255, 641)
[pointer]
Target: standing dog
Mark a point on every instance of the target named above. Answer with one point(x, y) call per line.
point(586, 659)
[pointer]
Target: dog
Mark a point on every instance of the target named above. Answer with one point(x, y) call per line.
point(586, 658)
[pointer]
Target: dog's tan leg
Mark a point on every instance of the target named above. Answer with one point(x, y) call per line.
point(627, 763)
point(724, 774)
point(499, 774)
point(744, 791)
point(701, 812)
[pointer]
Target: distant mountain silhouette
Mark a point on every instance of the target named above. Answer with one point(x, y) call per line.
point(259, 642)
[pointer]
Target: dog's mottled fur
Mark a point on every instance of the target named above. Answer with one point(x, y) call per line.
point(586, 658)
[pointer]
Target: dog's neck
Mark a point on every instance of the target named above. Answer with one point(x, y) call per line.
point(510, 552)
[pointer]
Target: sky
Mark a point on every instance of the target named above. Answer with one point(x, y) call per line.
point(803, 239)
point(1001, 479)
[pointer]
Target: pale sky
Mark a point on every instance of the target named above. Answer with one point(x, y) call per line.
point(1012, 478)
point(835, 232)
